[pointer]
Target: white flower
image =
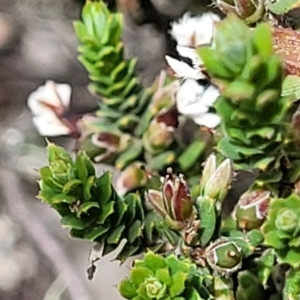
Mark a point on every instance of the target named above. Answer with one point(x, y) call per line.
point(194, 31)
point(48, 104)
point(183, 70)
point(190, 33)
point(194, 100)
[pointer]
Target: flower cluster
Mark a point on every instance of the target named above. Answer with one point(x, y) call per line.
point(196, 95)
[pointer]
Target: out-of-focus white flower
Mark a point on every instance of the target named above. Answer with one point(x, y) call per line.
point(194, 100)
point(183, 70)
point(191, 32)
point(195, 31)
point(49, 105)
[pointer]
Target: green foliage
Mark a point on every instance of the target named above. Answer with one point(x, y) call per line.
point(133, 123)
point(101, 52)
point(282, 229)
point(291, 289)
point(156, 277)
point(219, 257)
point(255, 117)
point(91, 208)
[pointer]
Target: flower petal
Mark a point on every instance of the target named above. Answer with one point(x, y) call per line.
point(49, 95)
point(183, 70)
point(194, 31)
point(50, 126)
point(208, 120)
point(188, 98)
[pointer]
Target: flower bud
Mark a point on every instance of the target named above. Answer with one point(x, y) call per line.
point(174, 201)
point(218, 184)
point(251, 210)
point(224, 256)
point(131, 178)
point(209, 168)
point(158, 137)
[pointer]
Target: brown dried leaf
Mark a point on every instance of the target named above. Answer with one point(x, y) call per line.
point(287, 45)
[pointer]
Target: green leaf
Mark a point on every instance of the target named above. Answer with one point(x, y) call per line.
point(87, 188)
point(85, 207)
point(72, 187)
point(255, 237)
point(138, 275)
point(272, 239)
point(178, 284)
point(128, 251)
point(46, 176)
point(192, 294)
point(149, 225)
point(154, 261)
point(265, 264)
point(191, 155)
point(104, 189)
point(106, 211)
point(100, 15)
point(231, 48)
point(84, 168)
point(120, 209)
point(134, 231)
point(162, 160)
point(239, 91)
point(58, 153)
point(95, 232)
point(88, 18)
point(163, 275)
point(115, 236)
point(207, 212)
point(291, 257)
point(130, 154)
point(262, 39)
point(131, 200)
point(80, 30)
point(127, 289)
point(214, 63)
point(62, 198)
point(73, 222)
point(176, 265)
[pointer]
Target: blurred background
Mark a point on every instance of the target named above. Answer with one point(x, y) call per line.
point(38, 261)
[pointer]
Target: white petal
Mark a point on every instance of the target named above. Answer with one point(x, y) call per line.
point(183, 70)
point(58, 95)
point(188, 97)
point(209, 96)
point(209, 120)
point(50, 126)
point(191, 53)
point(205, 29)
point(64, 91)
point(194, 31)
point(183, 30)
